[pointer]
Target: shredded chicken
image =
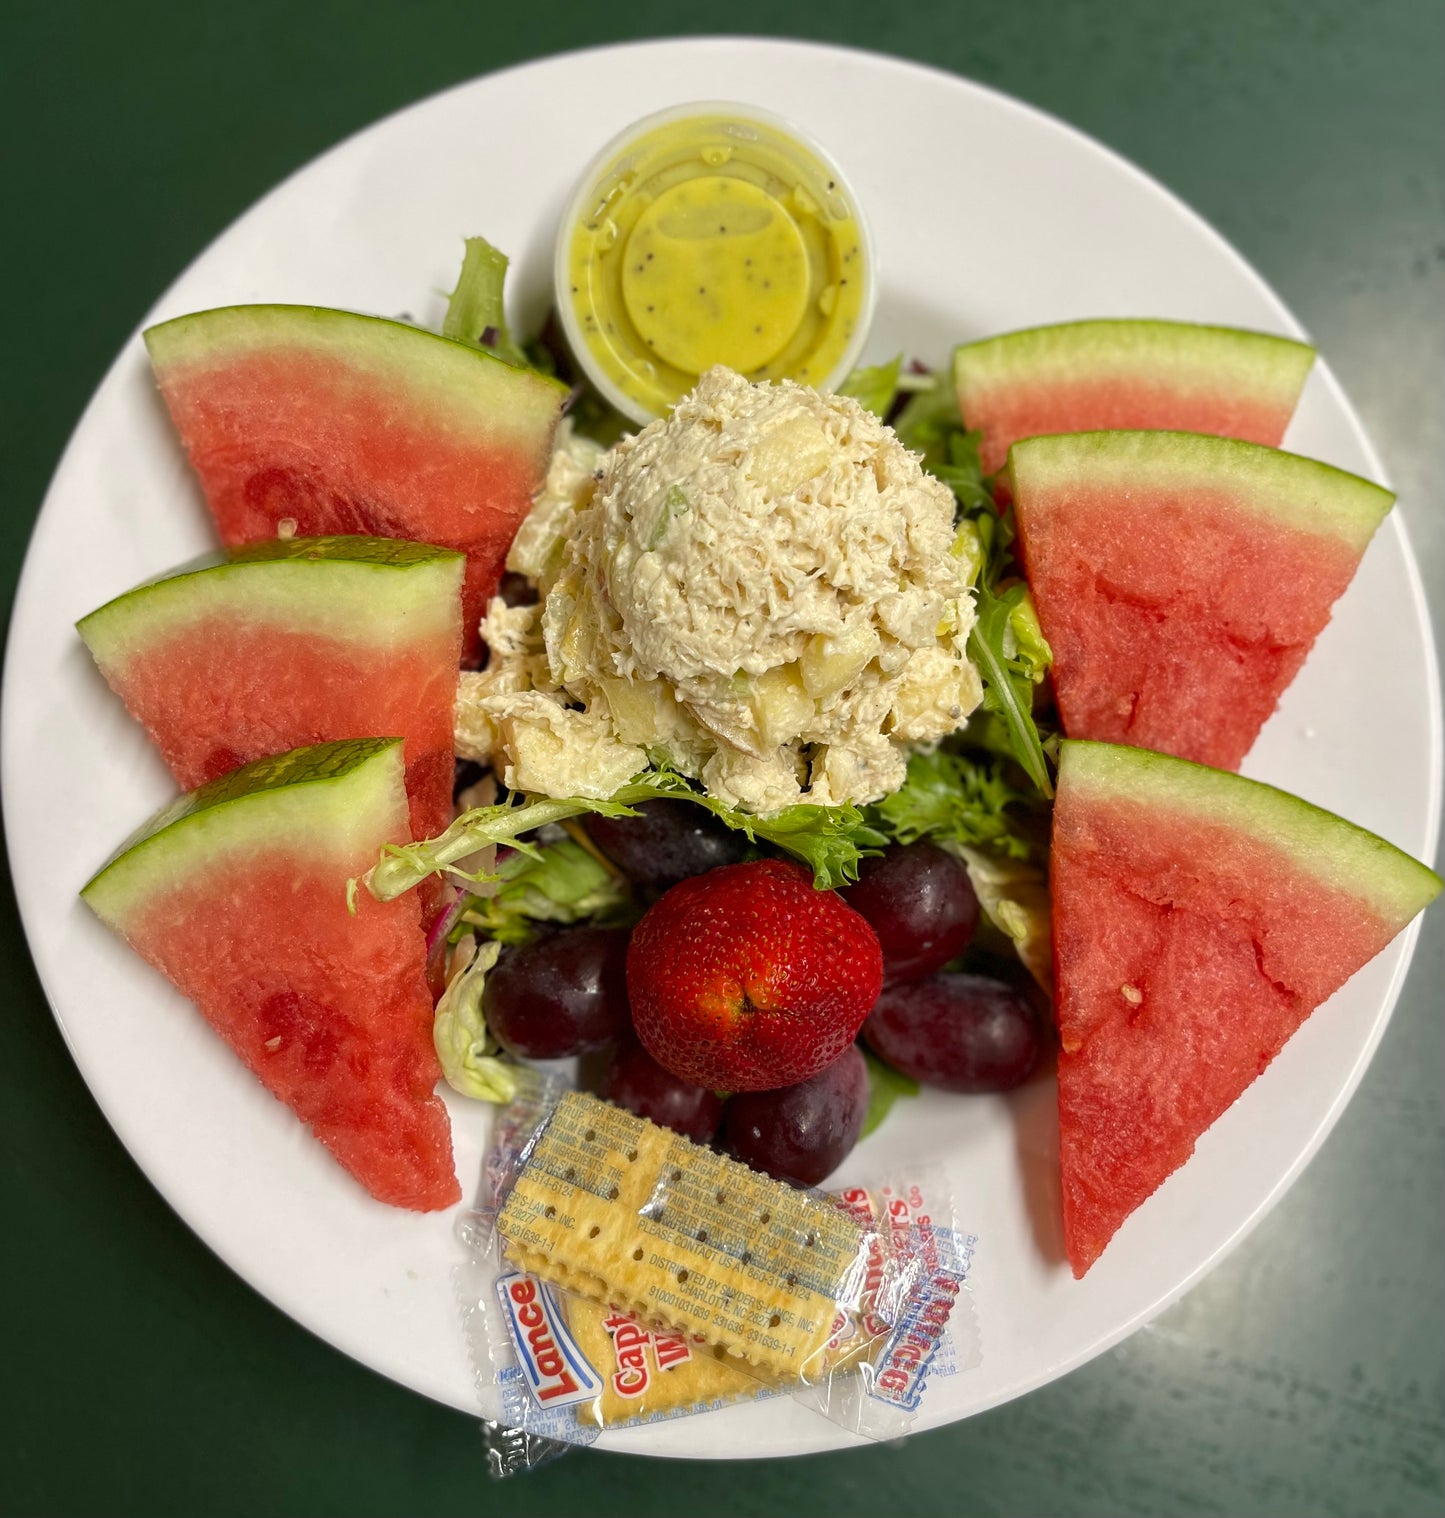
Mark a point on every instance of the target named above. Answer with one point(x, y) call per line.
point(762, 588)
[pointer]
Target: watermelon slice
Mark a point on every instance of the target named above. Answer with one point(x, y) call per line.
point(237, 894)
point(291, 642)
point(351, 424)
point(1095, 375)
point(1198, 919)
point(1181, 580)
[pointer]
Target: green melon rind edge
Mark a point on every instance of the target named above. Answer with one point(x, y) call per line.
point(326, 800)
point(456, 376)
point(388, 576)
point(1296, 492)
point(1339, 854)
point(389, 553)
point(1219, 357)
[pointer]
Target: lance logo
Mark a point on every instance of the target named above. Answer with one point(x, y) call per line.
point(555, 1369)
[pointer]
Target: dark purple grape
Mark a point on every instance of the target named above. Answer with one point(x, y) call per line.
point(562, 995)
point(636, 1081)
point(668, 841)
point(958, 1032)
point(921, 904)
point(517, 590)
point(802, 1133)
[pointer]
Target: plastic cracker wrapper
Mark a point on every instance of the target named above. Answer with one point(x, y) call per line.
point(618, 1274)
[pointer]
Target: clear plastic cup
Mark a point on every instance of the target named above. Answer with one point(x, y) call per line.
point(712, 233)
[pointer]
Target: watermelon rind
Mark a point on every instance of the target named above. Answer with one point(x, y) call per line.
point(1337, 853)
point(1191, 354)
point(372, 591)
point(1298, 493)
point(329, 801)
point(337, 422)
point(455, 381)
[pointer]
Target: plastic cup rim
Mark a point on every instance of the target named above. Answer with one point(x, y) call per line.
point(611, 150)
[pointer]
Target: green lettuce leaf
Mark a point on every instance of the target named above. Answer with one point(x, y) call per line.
point(885, 1086)
point(929, 419)
point(1024, 639)
point(962, 472)
point(559, 883)
point(591, 416)
point(963, 798)
point(874, 387)
point(1014, 895)
point(831, 840)
point(471, 1058)
point(1006, 643)
point(474, 311)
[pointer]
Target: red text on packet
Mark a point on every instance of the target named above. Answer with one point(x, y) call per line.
point(630, 1345)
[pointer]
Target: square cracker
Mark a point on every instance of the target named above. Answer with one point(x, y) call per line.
point(614, 1208)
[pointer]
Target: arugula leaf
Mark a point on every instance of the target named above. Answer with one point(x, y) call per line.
point(1008, 680)
point(885, 1086)
point(559, 883)
point(955, 797)
point(474, 311)
point(876, 387)
point(829, 839)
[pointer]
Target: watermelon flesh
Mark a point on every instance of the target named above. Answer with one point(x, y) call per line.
point(1198, 919)
point(1125, 374)
point(1181, 580)
point(294, 642)
point(346, 424)
point(237, 893)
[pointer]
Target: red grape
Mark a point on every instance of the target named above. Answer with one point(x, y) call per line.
point(666, 842)
point(562, 995)
point(636, 1081)
point(921, 904)
point(802, 1133)
point(958, 1032)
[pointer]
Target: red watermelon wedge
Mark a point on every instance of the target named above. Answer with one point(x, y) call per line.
point(1199, 918)
point(1181, 580)
point(1096, 375)
point(350, 424)
point(237, 894)
point(292, 642)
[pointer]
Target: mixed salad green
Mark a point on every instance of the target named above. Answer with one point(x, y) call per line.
point(982, 794)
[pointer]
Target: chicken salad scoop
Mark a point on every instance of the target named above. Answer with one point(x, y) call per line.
point(763, 590)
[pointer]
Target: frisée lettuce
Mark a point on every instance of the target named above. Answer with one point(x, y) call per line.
point(561, 883)
point(830, 840)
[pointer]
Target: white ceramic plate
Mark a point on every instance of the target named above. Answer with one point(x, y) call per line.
point(988, 216)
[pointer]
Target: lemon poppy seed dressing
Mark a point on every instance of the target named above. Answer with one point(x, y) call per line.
point(713, 239)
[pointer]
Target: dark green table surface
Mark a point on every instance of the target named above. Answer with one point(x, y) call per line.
point(1305, 1376)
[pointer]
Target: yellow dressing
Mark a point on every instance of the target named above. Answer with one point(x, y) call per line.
point(713, 239)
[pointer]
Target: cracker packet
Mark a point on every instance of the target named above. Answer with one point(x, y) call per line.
point(617, 1274)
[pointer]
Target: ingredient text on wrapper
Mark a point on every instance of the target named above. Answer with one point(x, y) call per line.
point(618, 1275)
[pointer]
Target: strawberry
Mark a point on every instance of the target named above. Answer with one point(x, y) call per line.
point(747, 978)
